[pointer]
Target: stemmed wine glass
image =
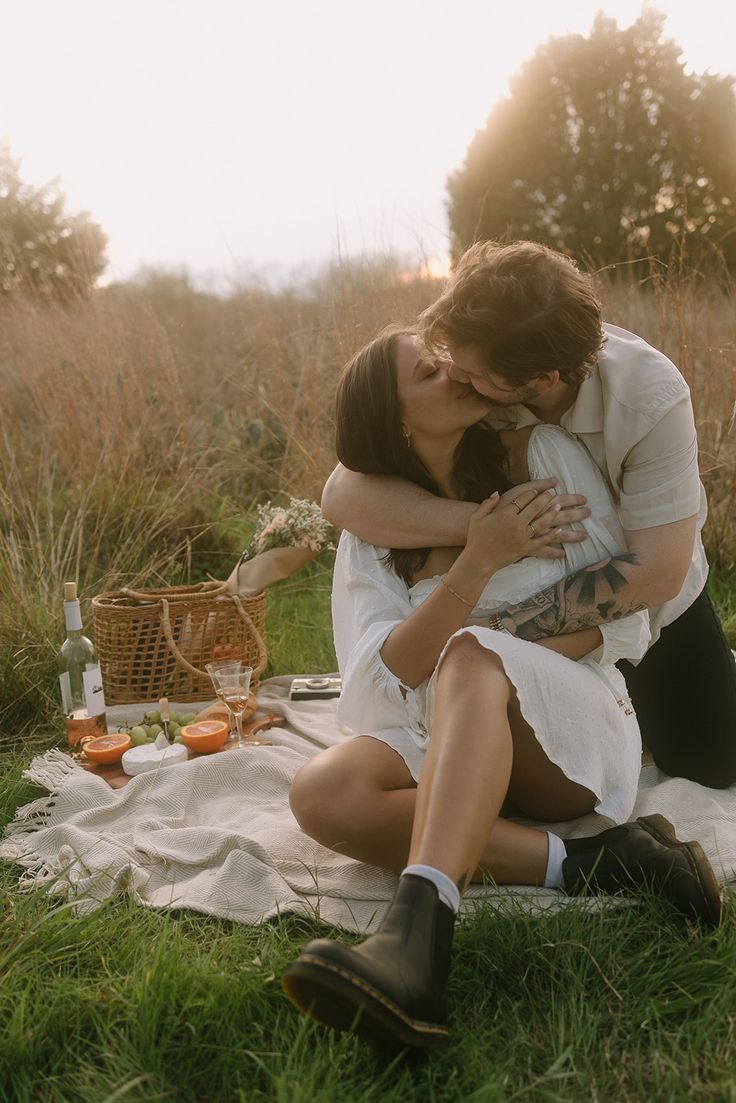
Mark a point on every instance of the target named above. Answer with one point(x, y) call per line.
point(231, 681)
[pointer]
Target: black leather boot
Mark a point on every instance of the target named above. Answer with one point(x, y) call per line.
point(390, 989)
point(644, 853)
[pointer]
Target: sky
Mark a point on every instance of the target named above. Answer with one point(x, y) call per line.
point(242, 139)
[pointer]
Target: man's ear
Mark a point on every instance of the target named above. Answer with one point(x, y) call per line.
point(547, 380)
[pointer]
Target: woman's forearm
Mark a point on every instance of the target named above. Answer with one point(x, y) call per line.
point(414, 646)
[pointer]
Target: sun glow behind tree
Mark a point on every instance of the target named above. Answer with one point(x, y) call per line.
point(232, 134)
point(606, 148)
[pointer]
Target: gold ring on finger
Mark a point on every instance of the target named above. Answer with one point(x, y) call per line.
point(514, 501)
point(531, 529)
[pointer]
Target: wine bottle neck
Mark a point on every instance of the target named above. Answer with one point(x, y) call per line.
point(73, 618)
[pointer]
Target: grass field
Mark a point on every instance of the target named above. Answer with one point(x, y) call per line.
point(137, 431)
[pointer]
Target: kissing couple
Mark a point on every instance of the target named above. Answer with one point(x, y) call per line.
point(519, 604)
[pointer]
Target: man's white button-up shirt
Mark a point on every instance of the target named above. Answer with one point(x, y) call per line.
point(635, 417)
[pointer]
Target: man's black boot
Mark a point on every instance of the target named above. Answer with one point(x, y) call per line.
point(390, 989)
point(644, 853)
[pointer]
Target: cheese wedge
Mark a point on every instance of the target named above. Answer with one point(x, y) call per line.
point(153, 756)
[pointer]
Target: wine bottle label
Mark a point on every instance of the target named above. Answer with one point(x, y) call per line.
point(66, 692)
point(72, 616)
point(94, 694)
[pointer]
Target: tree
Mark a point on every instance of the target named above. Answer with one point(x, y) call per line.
point(606, 149)
point(43, 250)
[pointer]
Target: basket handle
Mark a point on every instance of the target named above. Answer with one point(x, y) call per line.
point(166, 625)
point(208, 590)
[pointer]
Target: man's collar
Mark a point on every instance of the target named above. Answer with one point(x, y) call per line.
point(586, 413)
point(511, 417)
point(584, 416)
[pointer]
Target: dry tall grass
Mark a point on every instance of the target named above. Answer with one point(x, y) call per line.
point(137, 429)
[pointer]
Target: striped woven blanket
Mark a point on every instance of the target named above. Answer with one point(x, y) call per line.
point(216, 834)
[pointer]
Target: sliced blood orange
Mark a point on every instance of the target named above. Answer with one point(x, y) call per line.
point(107, 748)
point(204, 736)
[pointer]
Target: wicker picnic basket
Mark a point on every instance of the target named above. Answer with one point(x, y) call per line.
point(155, 643)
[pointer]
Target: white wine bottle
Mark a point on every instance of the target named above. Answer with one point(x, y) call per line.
point(82, 694)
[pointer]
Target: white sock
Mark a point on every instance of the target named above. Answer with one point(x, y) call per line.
point(556, 855)
point(446, 887)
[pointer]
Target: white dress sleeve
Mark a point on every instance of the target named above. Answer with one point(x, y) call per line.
point(551, 451)
point(368, 601)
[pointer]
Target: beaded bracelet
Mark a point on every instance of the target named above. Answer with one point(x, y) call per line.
point(495, 622)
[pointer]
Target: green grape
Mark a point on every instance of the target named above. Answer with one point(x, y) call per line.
point(188, 718)
point(138, 735)
point(153, 717)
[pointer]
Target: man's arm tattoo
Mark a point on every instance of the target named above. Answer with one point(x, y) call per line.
point(585, 599)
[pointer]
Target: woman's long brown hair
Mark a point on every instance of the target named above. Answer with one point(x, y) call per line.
point(370, 438)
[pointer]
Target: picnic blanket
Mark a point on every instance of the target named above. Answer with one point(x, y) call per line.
point(216, 834)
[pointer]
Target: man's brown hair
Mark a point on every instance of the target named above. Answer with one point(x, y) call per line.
point(525, 307)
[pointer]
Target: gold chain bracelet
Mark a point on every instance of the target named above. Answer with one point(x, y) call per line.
point(470, 604)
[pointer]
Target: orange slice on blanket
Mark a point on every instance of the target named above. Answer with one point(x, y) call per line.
point(205, 736)
point(107, 748)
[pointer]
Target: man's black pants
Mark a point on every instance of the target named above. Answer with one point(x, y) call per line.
point(684, 693)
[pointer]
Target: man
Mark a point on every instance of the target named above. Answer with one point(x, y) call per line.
point(524, 328)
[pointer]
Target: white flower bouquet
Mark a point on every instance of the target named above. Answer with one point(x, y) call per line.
point(285, 538)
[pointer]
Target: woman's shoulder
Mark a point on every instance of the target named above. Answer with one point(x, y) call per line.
point(534, 450)
point(516, 444)
point(553, 451)
point(553, 438)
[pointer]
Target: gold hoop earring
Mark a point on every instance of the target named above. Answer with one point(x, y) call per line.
point(407, 438)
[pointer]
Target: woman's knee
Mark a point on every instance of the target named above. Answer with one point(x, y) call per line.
point(464, 649)
point(334, 793)
point(315, 795)
point(464, 655)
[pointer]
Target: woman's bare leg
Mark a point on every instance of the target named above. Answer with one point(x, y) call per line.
point(392, 987)
point(359, 798)
point(346, 799)
point(466, 774)
point(394, 984)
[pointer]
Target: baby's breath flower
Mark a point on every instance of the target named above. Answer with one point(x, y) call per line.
point(298, 525)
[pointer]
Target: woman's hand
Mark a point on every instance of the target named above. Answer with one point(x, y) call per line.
point(562, 510)
point(502, 532)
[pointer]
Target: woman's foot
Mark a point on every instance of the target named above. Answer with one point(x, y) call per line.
point(645, 853)
point(390, 989)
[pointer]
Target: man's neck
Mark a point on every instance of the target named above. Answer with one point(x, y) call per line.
point(550, 406)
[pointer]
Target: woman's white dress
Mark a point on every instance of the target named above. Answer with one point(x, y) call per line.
point(579, 711)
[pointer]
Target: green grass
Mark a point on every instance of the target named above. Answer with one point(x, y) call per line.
point(722, 585)
point(141, 1005)
point(298, 624)
point(138, 1005)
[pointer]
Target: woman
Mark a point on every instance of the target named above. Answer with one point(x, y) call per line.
point(422, 653)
